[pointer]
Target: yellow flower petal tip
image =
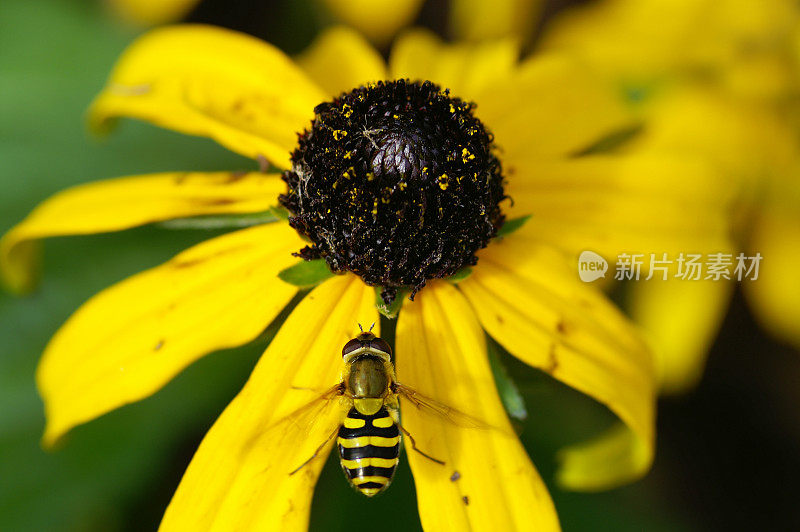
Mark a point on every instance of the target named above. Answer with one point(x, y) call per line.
point(488, 481)
point(615, 458)
point(20, 263)
point(775, 295)
point(379, 20)
point(476, 20)
point(680, 338)
point(528, 298)
point(120, 347)
point(202, 80)
point(126, 202)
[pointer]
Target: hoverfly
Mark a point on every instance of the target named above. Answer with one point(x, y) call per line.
point(368, 438)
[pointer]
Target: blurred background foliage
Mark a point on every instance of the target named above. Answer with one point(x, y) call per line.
point(727, 453)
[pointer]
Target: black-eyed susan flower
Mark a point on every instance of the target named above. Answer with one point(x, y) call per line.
point(712, 80)
point(396, 179)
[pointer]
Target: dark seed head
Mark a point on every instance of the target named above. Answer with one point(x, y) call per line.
point(396, 182)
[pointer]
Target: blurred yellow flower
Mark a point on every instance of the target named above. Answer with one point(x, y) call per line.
point(151, 12)
point(547, 116)
point(709, 78)
point(378, 20)
point(474, 20)
point(469, 20)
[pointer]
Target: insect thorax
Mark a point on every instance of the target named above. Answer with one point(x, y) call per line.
point(368, 379)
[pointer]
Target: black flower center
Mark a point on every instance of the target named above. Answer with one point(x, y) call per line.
point(396, 182)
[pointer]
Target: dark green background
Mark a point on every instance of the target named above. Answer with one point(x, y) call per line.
point(727, 453)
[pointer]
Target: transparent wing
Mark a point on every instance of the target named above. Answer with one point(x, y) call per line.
point(299, 425)
point(305, 416)
point(439, 409)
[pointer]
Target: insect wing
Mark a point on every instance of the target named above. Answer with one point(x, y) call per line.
point(306, 415)
point(439, 409)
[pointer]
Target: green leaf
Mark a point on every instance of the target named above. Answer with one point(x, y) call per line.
point(460, 275)
point(509, 393)
point(511, 226)
point(231, 221)
point(307, 273)
point(390, 311)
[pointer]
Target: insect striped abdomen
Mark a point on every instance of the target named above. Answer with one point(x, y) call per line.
point(368, 449)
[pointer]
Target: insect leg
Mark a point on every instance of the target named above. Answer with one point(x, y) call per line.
point(335, 430)
point(414, 446)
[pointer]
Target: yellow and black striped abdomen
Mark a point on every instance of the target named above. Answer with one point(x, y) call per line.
point(368, 450)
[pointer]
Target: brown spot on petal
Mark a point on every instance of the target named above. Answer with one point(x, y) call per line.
point(236, 176)
point(455, 476)
point(552, 364)
point(263, 163)
point(466, 500)
point(215, 202)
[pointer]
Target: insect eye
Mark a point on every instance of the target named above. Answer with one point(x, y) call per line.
point(351, 346)
point(381, 345)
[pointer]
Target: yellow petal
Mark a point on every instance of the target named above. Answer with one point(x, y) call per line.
point(131, 339)
point(775, 295)
point(744, 139)
point(615, 453)
point(152, 12)
point(127, 202)
point(379, 20)
point(488, 482)
point(681, 319)
point(477, 19)
point(239, 478)
point(340, 60)
point(530, 300)
point(665, 33)
point(550, 107)
point(602, 203)
point(242, 92)
point(742, 45)
point(466, 69)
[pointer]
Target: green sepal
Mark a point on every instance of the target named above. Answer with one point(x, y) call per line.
point(511, 226)
point(612, 141)
point(307, 273)
point(460, 275)
point(390, 311)
point(226, 221)
point(280, 213)
point(512, 399)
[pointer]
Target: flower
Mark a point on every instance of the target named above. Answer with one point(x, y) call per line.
point(378, 20)
point(129, 340)
point(711, 79)
point(470, 20)
point(151, 12)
